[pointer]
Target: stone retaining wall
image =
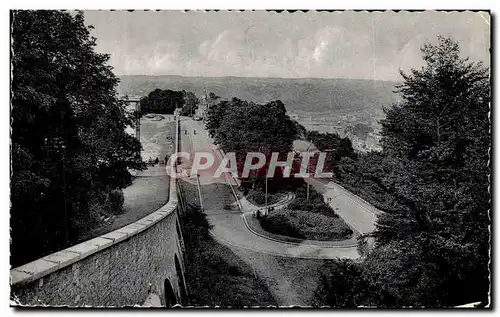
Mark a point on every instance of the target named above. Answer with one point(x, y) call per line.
point(120, 268)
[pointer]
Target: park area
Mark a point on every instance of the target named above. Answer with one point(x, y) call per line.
point(157, 136)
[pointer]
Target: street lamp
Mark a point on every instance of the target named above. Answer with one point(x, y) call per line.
point(307, 170)
point(267, 171)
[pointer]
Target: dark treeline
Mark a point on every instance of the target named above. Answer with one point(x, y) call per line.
point(166, 101)
point(69, 149)
point(162, 101)
point(431, 180)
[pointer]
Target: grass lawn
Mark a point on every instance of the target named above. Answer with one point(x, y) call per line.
point(157, 138)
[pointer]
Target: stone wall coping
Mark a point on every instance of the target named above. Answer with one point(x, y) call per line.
point(48, 264)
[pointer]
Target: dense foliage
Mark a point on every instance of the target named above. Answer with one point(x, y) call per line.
point(306, 218)
point(214, 274)
point(335, 148)
point(343, 285)
point(241, 127)
point(431, 179)
point(162, 101)
point(359, 130)
point(303, 224)
point(191, 103)
point(70, 151)
point(258, 197)
point(315, 203)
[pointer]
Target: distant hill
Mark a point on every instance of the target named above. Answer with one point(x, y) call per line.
point(301, 95)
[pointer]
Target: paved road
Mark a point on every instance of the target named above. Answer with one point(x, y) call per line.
point(355, 211)
point(228, 224)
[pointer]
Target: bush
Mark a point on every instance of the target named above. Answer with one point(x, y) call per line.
point(317, 207)
point(306, 225)
point(258, 197)
point(342, 285)
point(115, 201)
point(315, 204)
point(280, 224)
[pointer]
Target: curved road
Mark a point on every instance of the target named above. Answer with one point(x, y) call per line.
point(228, 225)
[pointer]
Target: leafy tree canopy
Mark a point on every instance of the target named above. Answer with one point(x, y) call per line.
point(162, 101)
point(191, 103)
point(431, 180)
point(240, 126)
point(69, 145)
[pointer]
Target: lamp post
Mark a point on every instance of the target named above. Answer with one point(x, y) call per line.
point(267, 170)
point(307, 171)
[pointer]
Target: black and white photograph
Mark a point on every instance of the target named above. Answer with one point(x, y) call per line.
point(250, 159)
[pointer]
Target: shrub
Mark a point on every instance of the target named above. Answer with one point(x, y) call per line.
point(116, 201)
point(342, 285)
point(280, 224)
point(306, 225)
point(258, 197)
point(315, 204)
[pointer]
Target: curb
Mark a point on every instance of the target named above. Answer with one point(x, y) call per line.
point(294, 243)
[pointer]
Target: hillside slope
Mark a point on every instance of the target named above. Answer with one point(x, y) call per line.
point(299, 95)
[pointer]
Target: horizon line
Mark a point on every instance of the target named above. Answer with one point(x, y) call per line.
point(264, 77)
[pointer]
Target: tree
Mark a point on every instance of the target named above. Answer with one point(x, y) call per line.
point(359, 130)
point(368, 175)
point(439, 139)
point(162, 101)
point(241, 127)
point(251, 127)
point(215, 115)
point(190, 103)
point(301, 130)
point(69, 145)
point(212, 96)
point(335, 147)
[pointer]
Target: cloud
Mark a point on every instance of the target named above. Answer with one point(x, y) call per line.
point(262, 44)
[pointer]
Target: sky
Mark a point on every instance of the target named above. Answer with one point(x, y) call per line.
point(360, 45)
